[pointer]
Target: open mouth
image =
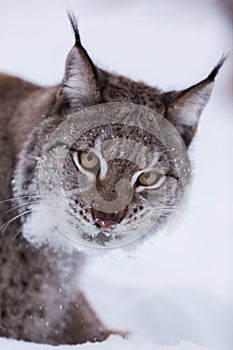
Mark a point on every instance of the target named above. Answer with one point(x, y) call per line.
point(107, 221)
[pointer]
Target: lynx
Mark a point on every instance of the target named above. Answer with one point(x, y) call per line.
point(40, 297)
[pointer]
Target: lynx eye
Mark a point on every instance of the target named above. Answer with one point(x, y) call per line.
point(148, 178)
point(89, 160)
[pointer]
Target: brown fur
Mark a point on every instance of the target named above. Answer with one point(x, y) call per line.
point(30, 276)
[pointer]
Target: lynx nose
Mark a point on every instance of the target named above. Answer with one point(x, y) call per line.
point(107, 220)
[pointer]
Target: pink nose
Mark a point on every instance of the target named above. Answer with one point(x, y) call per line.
point(106, 220)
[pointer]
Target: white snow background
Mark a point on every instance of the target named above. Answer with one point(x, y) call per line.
point(175, 291)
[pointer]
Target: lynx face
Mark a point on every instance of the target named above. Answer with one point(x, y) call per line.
point(114, 186)
point(116, 180)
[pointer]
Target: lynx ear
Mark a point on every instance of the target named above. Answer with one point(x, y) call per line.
point(185, 107)
point(80, 81)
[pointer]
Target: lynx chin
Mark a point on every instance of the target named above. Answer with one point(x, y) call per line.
point(97, 161)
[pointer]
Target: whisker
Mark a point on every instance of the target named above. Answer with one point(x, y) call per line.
point(20, 229)
point(21, 205)
point(4, 226)
point(27, 203)
point(17, 198)
point(7, 224)
point(18, 232)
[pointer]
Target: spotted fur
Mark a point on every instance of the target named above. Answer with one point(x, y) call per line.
point(40, 298)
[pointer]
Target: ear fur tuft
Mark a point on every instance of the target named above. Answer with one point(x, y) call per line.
point(216, 69)
point(74, 24)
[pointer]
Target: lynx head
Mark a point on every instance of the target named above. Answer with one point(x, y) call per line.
point(120, 165)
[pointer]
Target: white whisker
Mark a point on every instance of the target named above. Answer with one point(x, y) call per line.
point(20, 229)
point(17, 198)
point(4, 226)
point(21, 205)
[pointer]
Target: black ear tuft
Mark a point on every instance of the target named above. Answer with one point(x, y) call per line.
point(74, 23)
point(216, 69)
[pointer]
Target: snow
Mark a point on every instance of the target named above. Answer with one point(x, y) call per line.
point(113, 343)
point(176, 291)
